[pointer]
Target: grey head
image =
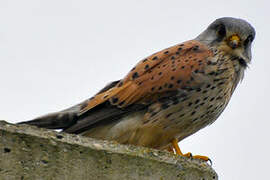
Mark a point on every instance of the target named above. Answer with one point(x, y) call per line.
point(231, 35)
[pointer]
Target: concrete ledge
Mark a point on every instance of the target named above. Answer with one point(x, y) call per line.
point(32, 153)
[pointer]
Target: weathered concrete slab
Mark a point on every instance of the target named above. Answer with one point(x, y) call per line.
point(31, 153)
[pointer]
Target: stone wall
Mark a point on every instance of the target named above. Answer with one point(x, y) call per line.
point(32, 153)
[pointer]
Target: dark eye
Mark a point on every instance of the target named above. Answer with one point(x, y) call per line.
point(221, 31)
point(248, 40)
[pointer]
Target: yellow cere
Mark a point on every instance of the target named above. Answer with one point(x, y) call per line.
point(235, 38)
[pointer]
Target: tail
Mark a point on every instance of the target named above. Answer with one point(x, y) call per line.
point(72, 120)
point(58, 120)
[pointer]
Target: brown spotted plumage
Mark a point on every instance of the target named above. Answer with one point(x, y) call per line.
point(158, 74)
point(167, 96)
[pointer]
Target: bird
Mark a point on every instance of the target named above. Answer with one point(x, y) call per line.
point(168, 95)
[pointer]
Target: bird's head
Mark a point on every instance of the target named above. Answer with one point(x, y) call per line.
point(232, 36)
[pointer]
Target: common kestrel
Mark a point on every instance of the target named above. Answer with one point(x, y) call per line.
point(167, 96)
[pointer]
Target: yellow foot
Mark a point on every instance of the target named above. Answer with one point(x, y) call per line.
point(179, 152)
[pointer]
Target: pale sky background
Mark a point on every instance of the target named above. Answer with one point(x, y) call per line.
point(56, 53)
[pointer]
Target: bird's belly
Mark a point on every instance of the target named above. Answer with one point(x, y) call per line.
point(156, 128)
point(186, 121)
point(189, 115)
point(131, 129)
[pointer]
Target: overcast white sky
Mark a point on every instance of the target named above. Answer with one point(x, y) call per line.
point(56, 53)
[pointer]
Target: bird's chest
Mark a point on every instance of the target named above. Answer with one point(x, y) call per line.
point(198, 107)
point(202, 106)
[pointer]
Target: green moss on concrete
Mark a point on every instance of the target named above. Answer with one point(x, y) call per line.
point(33, 153)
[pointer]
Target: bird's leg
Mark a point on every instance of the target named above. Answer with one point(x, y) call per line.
point(179, 152)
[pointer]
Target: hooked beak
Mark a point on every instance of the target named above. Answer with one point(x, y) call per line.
point(243, 55)
point(234, 41)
